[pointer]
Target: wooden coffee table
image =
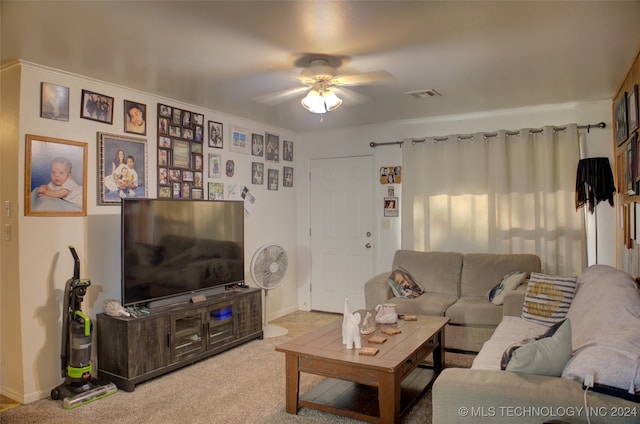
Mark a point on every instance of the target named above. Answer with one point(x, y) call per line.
point(376, 389)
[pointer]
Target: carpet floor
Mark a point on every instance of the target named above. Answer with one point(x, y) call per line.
point(243, 385)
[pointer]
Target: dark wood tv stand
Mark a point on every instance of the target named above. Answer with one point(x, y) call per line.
point(133, 350)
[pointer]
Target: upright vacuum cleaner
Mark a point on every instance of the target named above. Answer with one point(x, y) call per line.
point(79, 386)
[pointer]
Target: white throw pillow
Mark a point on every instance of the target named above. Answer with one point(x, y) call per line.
point(509, 282)
point(548, 298)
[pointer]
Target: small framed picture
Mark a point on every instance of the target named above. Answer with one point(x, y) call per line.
point(164, 110)
point(54, 102)
point(135, 118)
point(239, 140)
point(272, 179)
point(287, 176)
point(257, 145)
point(215, 165)
point(196, 160)
point(287, 150)
point(196, 193)
point(621, 119)
point(216, 191)
point(272, 149)
point(187, 176)
point(390, 206)
point(164, 192)
point(96, 107)
point(55, 177)
point(257, 173)
point(215, 134)
point(122, 165)
point(632, 109)
point(181, 154)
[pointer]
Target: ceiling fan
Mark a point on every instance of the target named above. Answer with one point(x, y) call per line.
point(323, 81)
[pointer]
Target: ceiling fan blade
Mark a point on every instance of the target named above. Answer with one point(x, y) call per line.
point(280, 96)
point(363, 78)
point(350, 97)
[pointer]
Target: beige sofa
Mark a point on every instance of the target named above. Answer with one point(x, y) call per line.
point(455, 286)
point(604, 341)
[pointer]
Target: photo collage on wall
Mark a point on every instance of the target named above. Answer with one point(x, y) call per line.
point(180, 153)
point(268, 147)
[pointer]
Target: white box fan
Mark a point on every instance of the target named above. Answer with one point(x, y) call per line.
point(268, 270)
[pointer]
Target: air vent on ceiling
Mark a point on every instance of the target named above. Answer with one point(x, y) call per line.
point(422, 94)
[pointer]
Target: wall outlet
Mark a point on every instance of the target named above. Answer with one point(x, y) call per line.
point(588, 380)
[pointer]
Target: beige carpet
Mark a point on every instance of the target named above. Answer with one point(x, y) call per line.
point(244, 385)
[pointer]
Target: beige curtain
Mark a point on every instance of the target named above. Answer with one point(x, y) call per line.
point(502, 192)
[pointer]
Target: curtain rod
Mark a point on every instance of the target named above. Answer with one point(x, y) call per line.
point(588, 127)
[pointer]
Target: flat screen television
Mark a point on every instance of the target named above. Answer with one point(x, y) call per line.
point(173, 249)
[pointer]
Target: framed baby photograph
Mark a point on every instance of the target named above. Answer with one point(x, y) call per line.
point(122, 168)
point(55, 177)
point(96, 107)
point(54, 102)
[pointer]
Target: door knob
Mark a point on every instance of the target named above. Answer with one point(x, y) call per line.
point(368, 245)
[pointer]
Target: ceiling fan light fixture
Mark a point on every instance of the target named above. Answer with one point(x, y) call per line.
point(321, 101)
point(331, 101)
point(313, 102)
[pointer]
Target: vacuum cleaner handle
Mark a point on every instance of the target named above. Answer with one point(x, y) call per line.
point(76, 263)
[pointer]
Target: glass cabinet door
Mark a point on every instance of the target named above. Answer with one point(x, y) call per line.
point(187, 333)
point(220, 324)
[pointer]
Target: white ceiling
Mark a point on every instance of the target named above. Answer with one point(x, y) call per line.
point(480, 55)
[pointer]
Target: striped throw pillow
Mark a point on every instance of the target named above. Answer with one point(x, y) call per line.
point(548, 298)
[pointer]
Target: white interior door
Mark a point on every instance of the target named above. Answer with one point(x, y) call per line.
point(341, 231)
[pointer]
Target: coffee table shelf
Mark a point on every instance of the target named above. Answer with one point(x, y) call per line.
point(376, 389)
point(360, 401)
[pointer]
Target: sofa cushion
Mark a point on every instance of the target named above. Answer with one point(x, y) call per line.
point(605, 317)
point(545, 356)
point(403, 285)
point(437, 272)
point(510, 330)
point(428, 304)
point(474, 311)
point(509, 282)
point(548, 298)
point(481, 271)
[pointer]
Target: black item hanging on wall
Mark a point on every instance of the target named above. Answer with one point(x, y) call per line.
point(594, 182)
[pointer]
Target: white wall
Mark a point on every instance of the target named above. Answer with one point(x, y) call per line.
point(44, 259)
point(355, 141)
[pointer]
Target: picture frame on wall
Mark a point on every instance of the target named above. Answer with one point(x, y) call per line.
point(272, 179)
point(135, 117)
point(216, 134)
point(215, 191)
point(239, 138)
point(272, 147)
point(621, 130)
point(215, 165)
point(257, 145)
point(287, 176)
point(96, 107)
point(391, 207)
point(629, 147)
point(181, 154)
point(122, 168)
point(632, 109)
point(55, 177)
point(287, 150)
point(54, 101)
point(257, 173)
